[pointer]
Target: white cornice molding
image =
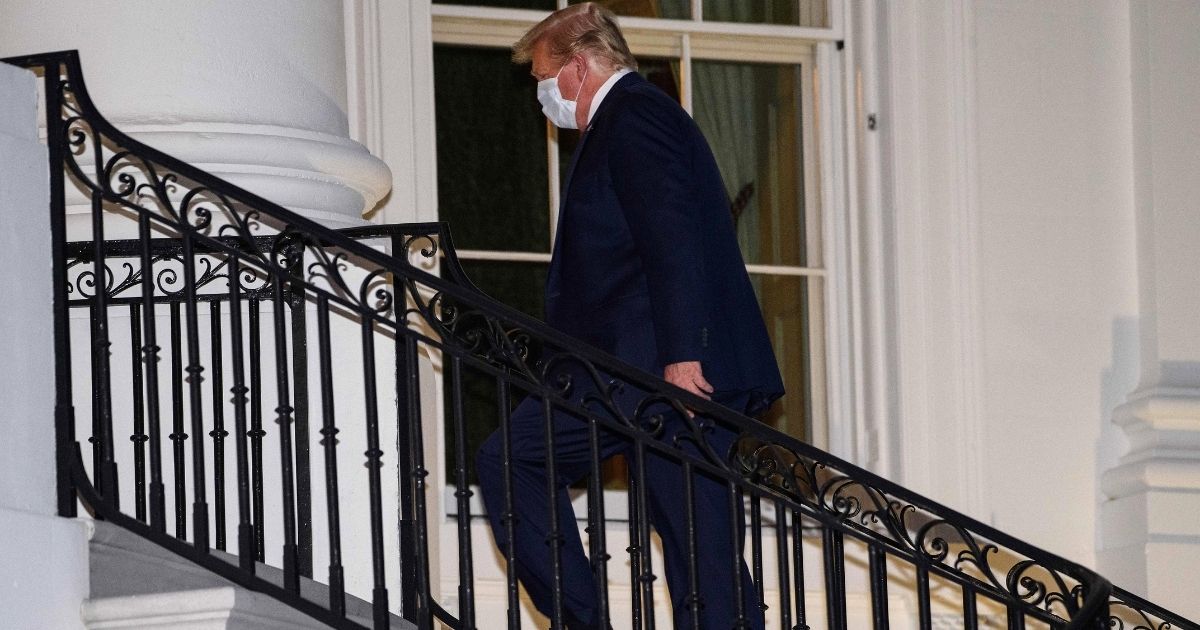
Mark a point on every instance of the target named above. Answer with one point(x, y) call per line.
point(1162, 426)
point(1163, 474)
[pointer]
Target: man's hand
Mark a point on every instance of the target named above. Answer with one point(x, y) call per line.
point(688, 375)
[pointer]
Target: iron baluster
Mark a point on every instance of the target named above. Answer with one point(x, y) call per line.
point(835, 578)
point(877, 560)
point(195, 377)
point(645, 581)
point(635, 551)
point(329, 441)
point(924, 612)
point(735, 565)
point(97, 437)
point(781, 557)
point(424, 613)
point(1016, 618)
point(247, 549)
point(106, 469)
point(694, 601)
point(283, 418)
point(409, 582)
point(374, 455)
point(970, 614)
point(462, 494)
point(150, 356)
point(509, 517)
point(218, 433)
point(257, 433)
point(555, 537)
point(756, 550)
point(139, 413)
point(798, 562)
point(299, 346)
point(178, 435)
point(597, 523)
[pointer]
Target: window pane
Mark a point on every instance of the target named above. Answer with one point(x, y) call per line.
point(787, 307)
point(674, 9)
point(519, 285)
point(491, 151)
point(751, 115)
point(814, 13)
point(546, 5)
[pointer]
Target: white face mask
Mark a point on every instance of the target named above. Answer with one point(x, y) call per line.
point(559, 110)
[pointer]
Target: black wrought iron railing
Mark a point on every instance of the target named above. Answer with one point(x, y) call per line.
point(190, 313)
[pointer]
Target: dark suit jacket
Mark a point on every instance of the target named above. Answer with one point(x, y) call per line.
point(646, 264)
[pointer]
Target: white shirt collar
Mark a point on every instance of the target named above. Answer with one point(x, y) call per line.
point(603, 91)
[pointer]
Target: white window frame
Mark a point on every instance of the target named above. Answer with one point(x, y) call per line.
point(390, 102)
point(687, 40)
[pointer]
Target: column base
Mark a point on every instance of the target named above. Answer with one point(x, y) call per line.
point(1150, 525)
point(44, 576)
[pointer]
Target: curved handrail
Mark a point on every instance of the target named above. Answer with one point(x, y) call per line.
point(474, 327)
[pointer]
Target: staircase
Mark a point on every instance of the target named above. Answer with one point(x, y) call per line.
point(243, 403)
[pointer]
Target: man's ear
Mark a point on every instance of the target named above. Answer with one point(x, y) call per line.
point(581, 69)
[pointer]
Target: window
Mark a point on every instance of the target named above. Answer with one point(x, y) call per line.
point(784, 12)
point(744, 70)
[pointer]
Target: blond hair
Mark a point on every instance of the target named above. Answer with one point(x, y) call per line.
point(581, 28)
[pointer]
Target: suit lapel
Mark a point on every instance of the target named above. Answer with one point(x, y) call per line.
point(552, 276)
point(565, 191)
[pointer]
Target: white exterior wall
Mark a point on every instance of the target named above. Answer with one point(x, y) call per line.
point(1045, 252)
point(1042, 169)
point(1057, 262)
point(1151, 537)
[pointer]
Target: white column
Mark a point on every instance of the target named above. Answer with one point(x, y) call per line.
point(1151, 523)
point(929, 150)
point(253, 92)
point(43, 575)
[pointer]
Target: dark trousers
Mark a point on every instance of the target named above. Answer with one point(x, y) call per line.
point(716, 533)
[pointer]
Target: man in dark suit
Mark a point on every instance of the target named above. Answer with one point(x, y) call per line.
point(646, 267)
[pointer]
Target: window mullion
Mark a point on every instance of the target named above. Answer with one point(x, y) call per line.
point(554, 181)
point(685, 72)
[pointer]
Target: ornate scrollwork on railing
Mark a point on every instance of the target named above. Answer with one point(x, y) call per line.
point(923, 535)
point(1130, 612)
point(1125, 617)
point(212, 277)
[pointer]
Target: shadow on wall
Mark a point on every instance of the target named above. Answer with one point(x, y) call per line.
point(1117, 383)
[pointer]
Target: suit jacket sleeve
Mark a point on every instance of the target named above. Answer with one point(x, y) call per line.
point(651, 166)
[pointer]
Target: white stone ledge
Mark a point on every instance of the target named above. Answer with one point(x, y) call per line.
point(1153, 474)
point(210, 608)
point(1161, 407)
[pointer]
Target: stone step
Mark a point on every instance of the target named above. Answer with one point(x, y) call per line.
point(138, 584)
